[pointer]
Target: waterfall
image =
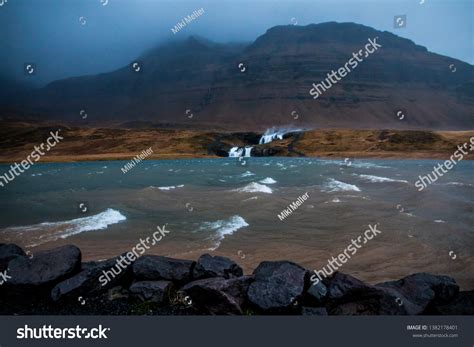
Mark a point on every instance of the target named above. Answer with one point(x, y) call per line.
point(236, 152)
point(269, 138)
point(247, 151)
point(274, 133)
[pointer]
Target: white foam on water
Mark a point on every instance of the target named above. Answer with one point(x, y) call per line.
point(254, 187)
point(169, 187)
point(247, 173)
point(51, 231)
point(354, 163)
point(379, 179)
point(251, 198)
point(338, 186)
point(439, 221)
point(223, 228)
point(461, 184)
point(268, 180)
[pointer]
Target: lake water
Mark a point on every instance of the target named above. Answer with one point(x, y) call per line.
point(222, 207)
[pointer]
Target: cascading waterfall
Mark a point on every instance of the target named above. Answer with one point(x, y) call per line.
point(248, 150)
point(269, 138)
point(275, 133)
point(236, 152)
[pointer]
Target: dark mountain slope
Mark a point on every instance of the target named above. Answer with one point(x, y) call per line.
point(280, 67)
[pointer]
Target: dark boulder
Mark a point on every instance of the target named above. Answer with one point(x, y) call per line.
point(349, 296)
point(219, 295)
point(462, 305)
point(316, 293)
point(95, 277)
point(158, 292)
point(9, 252)
point(277, 286)
point(45, 269)
point(154, 268)
point(209, 266)
point(342, 286)
point(423, 289)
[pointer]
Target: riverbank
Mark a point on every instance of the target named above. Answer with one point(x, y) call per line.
point(93, 144)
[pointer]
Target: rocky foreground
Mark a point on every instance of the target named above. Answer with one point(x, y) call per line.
point(57, 282)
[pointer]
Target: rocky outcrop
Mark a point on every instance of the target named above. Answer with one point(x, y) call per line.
point(209, 266)
point(277, 286)
point(153, 268)
point(44, 270)
point(219, 295)
point(88, 281)
point(9, 252)
point(58, 283)
point(153, 291)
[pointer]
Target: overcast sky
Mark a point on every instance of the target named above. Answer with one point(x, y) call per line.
point(49, 32)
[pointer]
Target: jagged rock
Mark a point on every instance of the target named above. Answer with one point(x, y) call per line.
point(153, 268)
point(423, 288)
point(219, 295)
point(277, 286)
point(345, 286)
point(91, 279)
point(316, 292)
point(34, 278)
point(158, 292)
point(117, 293)
point(314, 311)
point(45, 269)
point(9, 252)
point(462, 305)
point(267, 151)
point(209, 266)
point(349, 296)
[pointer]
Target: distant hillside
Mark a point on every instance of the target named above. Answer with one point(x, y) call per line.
point(280, 68)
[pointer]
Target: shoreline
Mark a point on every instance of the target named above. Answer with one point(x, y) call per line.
point(325, 156)
point(17, 140)
point(58, 282)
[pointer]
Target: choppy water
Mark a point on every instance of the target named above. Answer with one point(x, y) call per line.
point(223, 207)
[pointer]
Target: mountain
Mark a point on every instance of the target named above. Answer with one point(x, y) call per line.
point(268, 82)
